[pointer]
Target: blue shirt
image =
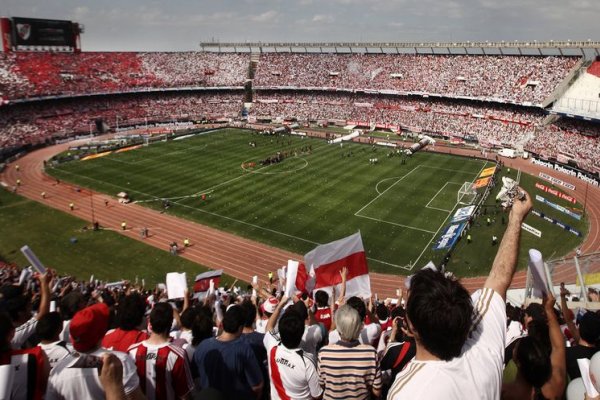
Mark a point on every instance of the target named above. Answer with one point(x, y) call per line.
point(230, 367)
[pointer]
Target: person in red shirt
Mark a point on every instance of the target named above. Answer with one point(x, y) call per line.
point(162, 367)
point(130, 315)
point(323, 311)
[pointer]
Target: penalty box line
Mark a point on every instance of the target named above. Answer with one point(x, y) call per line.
point(446, 219)
point(358, 213)
point(438, 192)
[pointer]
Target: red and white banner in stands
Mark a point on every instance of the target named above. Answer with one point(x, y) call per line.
point(326, 261)
point(202, 281)
point(556, 193)
point(297, 278)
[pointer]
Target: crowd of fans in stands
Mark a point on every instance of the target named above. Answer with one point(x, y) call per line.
point(496, 124)
point(517, 79)
point(491, 125)
point(36, 74)
point(33, 123)
point(125, 341)
point(573, 139)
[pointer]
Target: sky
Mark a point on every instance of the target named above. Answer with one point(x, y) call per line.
point(175, 25)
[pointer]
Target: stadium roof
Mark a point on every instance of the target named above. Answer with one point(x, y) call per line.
point(538, 45)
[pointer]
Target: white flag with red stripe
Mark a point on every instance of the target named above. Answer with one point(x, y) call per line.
point(327, 260)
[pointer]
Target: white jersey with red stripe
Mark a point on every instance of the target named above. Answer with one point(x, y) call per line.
point(73, 378)
point(163, 370)
point(293, 372)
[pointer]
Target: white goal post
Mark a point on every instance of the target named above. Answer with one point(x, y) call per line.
point(466, 194)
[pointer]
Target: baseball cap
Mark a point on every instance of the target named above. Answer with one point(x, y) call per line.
point(270, 305)
point(88, 327)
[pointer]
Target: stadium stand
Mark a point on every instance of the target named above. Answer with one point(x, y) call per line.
point(491, 125)
point(512, 79)
point(583, 96)
point(496, 125)
point(569, 139)
point(37, 74)
point(40, 122)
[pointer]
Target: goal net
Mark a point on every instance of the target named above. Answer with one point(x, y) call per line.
point(466, 194)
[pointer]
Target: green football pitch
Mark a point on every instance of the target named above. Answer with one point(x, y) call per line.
point(321, 192)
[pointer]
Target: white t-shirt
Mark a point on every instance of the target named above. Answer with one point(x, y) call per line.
point(476, 374)
point(369, 334)
point(311, 339)
point(23, 332)
point(297, 376)
point(261, 325)
point(65, 334)
point(513, 332)
point(383, 341)
point(67, 381)
point(182, 335)
point(55, 352)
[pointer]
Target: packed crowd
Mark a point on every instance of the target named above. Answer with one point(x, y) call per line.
point(33, 123)
point(496, 125)
point(518, 79)
point(490, 125)
point(35, 74)
point(121, 340)
point(570, 139)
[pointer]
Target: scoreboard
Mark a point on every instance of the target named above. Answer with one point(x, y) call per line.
point(33, 34)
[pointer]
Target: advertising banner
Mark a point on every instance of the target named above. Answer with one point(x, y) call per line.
point(449, 236)
point(558, 207)
point(462, 214)
point(531, 229)
point(556, 193)
point(483, 182)
point(487, 172)
point(556, 222)
point(556, 181)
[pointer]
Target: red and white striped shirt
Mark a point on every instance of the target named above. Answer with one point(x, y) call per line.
point(163, 370)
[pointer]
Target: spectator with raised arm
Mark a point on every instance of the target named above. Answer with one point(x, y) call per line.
point(460, 338)
point(292, 371)
point(541, 371)
point(18, 304)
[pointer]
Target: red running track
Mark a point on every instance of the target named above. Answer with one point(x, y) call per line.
point(239, 257)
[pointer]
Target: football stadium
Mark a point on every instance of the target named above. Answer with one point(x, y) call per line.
point(349, 179)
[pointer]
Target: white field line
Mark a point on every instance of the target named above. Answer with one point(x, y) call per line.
point(106, 183)
point(380, 194)
point(247, 223)
point(383, 180)
point(396, 224)
point(438, 192)
point(461, 171)
point(444, 222)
